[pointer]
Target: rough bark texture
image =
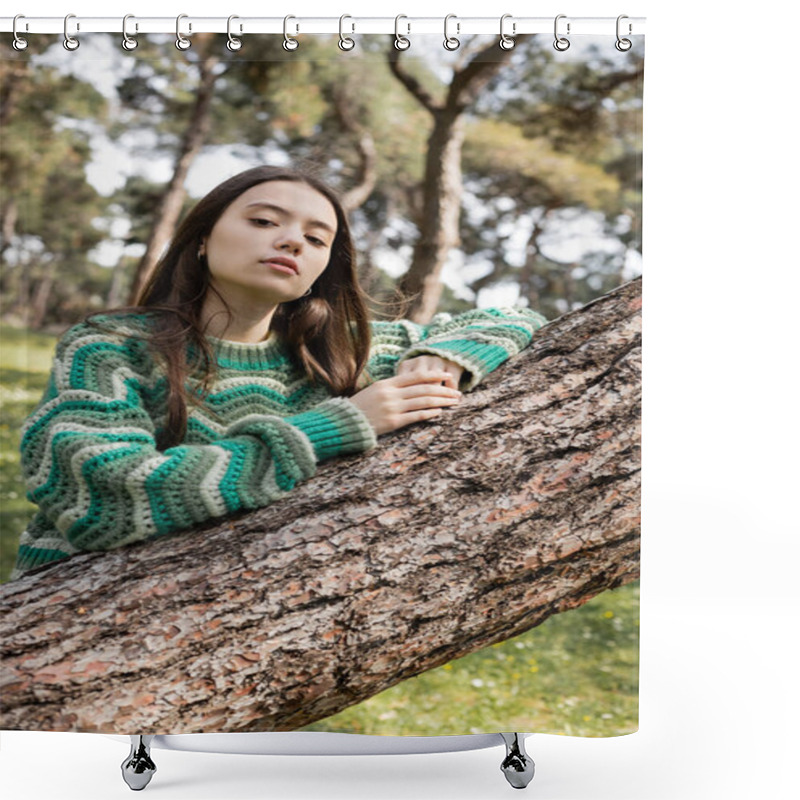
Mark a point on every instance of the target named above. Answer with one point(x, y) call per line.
point(521, 503)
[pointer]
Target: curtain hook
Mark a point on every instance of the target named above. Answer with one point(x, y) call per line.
point(450, 42)
point(70, 42)
point(289, 42)
point(181, 42)
point(507, 42)
point(19, 43)
point(623, 45)
point(346, 42)
point(401, 42)
point(561, 43)
point(129, 42)
point(233, 44)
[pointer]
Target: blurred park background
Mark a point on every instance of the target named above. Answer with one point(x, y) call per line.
point(507, 177)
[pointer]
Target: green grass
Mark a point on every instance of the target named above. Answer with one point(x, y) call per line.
point(575, 674)
point(25, 360)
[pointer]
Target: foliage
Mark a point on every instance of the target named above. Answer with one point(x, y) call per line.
point(551, 136)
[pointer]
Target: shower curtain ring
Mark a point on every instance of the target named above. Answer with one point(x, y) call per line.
point(233, 44)
point(346, 42)
point(623, 45)
point(561, 43)
point(19, 43)
point(129, 42)
point(507, 42)
point(401, 42)
point(70, 42)
point(450, 42)
point(181, 42)
point(289, 42)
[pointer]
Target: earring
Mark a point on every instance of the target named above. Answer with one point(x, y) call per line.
point(307, 293)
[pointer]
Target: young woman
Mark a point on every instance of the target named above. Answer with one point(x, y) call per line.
point(248, 359)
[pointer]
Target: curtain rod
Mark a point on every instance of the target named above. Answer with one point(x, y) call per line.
point(294, 25)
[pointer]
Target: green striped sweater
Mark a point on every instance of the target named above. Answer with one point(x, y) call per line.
point(89, 453)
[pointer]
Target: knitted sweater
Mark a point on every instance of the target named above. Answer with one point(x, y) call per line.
point(89, 453)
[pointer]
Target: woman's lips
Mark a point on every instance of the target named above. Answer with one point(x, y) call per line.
point(284, 265)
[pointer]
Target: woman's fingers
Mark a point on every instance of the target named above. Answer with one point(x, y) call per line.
point(450, 371)
point(393, 403)
point(417, 402)
point(410, 377)
point(434, 389)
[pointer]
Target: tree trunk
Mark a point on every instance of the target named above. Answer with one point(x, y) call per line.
point(442, 185)
point(8, 223)
point(41, 297)
point(169, 208)
point(438, 229)
point(520, 503)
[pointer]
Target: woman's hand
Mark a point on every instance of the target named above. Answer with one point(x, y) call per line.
point(426, 364)
point(399, 401)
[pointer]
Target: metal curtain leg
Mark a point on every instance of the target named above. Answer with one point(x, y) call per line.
point(138, 768)
point(518, 766)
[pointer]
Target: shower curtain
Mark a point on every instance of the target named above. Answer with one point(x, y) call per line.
point(474, 575)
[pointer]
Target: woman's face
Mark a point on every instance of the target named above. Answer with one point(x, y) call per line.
point(271, 243)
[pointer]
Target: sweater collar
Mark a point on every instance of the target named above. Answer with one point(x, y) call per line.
point(247, 355)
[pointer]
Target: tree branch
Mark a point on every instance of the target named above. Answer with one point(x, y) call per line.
point(468, 82)
point(368, 155)
point(521, 503)
point(416, 89)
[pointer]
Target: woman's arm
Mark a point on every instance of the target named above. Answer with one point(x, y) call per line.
point(91, 465)
point(477, 342)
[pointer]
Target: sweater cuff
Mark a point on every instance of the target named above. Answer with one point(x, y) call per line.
point(335, 427)
point(477, 358)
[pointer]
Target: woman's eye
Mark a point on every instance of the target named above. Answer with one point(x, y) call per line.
point(316, 242)
point(262, 223)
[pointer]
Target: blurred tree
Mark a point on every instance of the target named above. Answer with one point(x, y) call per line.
point(442, 187)
point(47, 205)
point(568, 148)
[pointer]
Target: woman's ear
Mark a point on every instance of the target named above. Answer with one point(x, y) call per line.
point(201, 251)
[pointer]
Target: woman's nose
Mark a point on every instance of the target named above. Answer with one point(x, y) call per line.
point(291, 242)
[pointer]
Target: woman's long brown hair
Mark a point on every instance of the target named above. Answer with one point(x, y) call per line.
point(327, 331)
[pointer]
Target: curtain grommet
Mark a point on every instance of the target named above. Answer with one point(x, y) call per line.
point(289, 42)
point(451, 43)
point(18, 43)
point(233, 44)
point(401, 42)
point(346, 43)
point(623, 45)
point(561, 43)
point(507, 42)
point(71, 43)
point(129, 42)
point(181, 42)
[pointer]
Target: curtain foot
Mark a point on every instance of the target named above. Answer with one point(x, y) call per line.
point(517, 766)
point(138, 768)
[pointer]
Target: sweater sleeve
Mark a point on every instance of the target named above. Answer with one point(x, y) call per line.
point(478, 340)
point(90, 460)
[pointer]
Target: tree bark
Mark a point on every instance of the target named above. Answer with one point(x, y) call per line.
point(520, 503)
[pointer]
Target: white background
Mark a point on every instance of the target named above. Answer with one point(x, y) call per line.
point(719, 696)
